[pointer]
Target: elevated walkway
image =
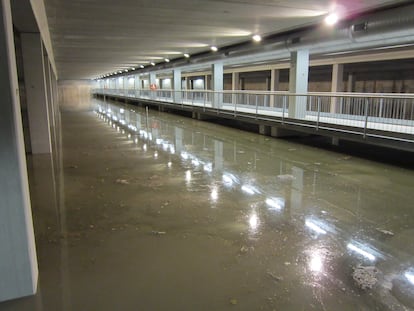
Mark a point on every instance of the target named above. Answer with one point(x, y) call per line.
point(380, 119)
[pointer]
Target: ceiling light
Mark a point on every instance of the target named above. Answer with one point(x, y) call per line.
point(331, 19)
point(186, 55)
point(152, 63)
point(167, 60)
point(141, 66)
point(126, 70)
point(257, 38)
point(214, 48)
point(133, 68)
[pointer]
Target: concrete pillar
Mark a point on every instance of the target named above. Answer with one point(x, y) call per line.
point(298, 83)
point(152, 80)
point(206, 82)
point(18, 264)
point(336, 85)
point(235, 86)
point(37, 100)
point(217, 84)
point(350, 83)
point(125, 87)
point(177, 85)
point(274, 85)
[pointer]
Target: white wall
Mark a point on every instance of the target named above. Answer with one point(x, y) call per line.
point(75, 95)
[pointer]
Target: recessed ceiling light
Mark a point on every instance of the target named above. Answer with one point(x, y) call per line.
point(126, 70)
point(331, 19)
point(186, 55)
point(133, 68)
point(152, 63)
point(141, 66)
point(167, 60)
point(214, 48)
point(257, 38)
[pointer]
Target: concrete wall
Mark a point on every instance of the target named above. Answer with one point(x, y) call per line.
point(75, 95)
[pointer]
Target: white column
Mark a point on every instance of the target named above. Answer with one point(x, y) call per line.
point(152, 80)
point(217, 84)
point(274, 84)
point(18, 263)
point(37, 101)
point(350, 84)
point(235, 86)
point(177, 85)
point(336, 86)
point(298, 83)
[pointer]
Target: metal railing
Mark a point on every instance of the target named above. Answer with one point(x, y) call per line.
point(385, 112)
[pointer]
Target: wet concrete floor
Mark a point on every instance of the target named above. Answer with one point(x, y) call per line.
point(169, 213)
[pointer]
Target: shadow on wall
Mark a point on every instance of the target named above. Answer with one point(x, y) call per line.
point(75, 95)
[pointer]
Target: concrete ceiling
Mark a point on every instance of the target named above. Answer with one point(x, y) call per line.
point(95, 37)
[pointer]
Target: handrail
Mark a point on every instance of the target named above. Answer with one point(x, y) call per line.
point(287, 93)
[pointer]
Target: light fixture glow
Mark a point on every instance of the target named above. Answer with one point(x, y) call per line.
point(166, 60)
point(331, 19)
point(214, 48)
point(141, 66)
point(186, 55)
point(152, 64)
point(169, 164)
point(257, 38)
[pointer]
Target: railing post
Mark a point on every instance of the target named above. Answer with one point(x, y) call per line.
point(284, 108)
point(257, 109)
point(366, 117)
point(319, 113)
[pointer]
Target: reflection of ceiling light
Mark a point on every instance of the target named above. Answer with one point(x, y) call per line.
point(315, 263)
point(311, 225)
point(253, 222)
point(214, 194)
point(186, 55)
point(410, 277)
point(360, 251)
point(169, 164)
point(214, 48)
point(248, 189)
point(208, 167)
point(275, 203)
point(257, 38)
point(188, 175)
point(331, 19)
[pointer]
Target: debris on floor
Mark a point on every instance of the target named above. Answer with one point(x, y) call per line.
point(285, 178)
point(274, 276)
point(365, 277)
point(386, 232)
point(158, 232)
point(122, 181)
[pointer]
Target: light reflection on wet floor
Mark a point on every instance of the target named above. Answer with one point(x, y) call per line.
point(227, 219)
